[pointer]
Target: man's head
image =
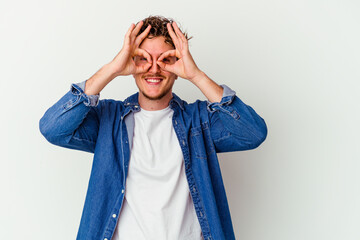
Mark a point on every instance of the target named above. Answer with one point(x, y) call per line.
point(156, 84)
point(158, 28)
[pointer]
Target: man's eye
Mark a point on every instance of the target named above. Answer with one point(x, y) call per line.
point(169, 60)
point(139, 58)
point(139, 61)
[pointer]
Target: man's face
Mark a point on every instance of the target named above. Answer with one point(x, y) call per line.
point(155, 84)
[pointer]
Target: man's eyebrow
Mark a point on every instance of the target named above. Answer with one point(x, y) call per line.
point(164, 52)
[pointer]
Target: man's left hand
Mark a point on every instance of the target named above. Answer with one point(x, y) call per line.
point(184, 66)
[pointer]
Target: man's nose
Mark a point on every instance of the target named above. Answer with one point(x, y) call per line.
point(155, 68)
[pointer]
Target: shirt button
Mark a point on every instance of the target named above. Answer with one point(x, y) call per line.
point(201, 214)
point(114, 215)
point(122, 191)
point(183, 142)
point(105, 239)
point(175, 122)
point(194, 189)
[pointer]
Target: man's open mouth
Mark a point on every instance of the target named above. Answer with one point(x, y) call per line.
point(153, 80)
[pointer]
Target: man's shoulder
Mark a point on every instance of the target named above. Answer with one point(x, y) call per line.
point(130, 99)
point(118, 106)
point(196, 106)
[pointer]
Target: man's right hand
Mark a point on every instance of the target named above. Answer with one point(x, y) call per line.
point(124, 64)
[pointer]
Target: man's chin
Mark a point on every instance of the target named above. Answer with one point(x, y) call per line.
point(154, 97)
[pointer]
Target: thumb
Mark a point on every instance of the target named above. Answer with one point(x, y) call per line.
point(143, 68)
point(164, 66)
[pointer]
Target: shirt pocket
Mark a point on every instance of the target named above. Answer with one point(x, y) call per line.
point(201, 146)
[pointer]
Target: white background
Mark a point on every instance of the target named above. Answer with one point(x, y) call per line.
point(295, 62)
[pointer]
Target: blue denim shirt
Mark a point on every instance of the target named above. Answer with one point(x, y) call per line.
point(105, 128)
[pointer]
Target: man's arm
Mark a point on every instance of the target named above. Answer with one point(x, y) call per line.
point(234, 125)
point(185, 66)
point(73, 121)
point(123, 64)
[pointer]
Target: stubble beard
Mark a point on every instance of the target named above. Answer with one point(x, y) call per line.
point(158, 97)
point(161, 95)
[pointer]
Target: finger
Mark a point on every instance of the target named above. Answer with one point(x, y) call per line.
point(172, 34)
point(142, 36)
point(142, 52)
point(141, 65)
point(178, 32)
point(161, 64)
point(144, 68)
point(128, 33)
point(137, 29)
point(166, 67)
point(169, 53)
point(169, 64)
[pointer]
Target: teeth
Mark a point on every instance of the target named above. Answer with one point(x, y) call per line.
point(153, 80)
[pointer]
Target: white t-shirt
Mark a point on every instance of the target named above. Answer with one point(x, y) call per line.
point(157, 203)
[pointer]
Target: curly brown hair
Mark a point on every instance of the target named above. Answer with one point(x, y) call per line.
point(158, 28)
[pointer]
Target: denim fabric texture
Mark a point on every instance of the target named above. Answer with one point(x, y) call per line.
point(105, 128)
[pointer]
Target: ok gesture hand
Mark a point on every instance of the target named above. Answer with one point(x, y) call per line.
point(123, 63)
point(185, 66)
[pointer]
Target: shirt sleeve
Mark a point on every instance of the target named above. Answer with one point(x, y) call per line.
point(235, 125)
point(227, 98)
point(73, 121)
point(91, 100)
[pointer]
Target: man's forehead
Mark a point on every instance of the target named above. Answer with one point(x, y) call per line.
point(155, 45)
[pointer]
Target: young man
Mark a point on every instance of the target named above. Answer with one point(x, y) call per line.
point(155, 172)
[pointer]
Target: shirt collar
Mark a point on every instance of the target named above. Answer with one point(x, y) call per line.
point(133, 102)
